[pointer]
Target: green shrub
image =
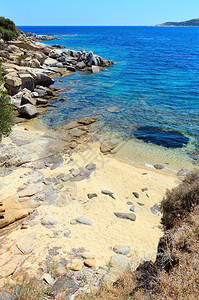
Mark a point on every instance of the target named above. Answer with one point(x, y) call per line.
point(6, 111)
point(8, 30)
point(180, 200)
point(21, 57)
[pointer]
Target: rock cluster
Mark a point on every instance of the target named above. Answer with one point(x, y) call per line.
point(30, 66)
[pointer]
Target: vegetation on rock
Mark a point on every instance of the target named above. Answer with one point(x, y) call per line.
point(6, 110)
point(8, 30)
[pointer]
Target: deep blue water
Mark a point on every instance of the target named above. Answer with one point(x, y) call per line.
point(153, 85)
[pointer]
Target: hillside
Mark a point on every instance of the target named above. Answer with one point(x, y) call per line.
point(189, 23)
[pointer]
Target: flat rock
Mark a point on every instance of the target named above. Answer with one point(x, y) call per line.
point(92, 195)
point(86, 255)
point(26, 243)
point(90, 262)
point(119, 249)
point(84, 220)
point(127, 216)
point(129, 203)
point(75, 265)
point(107, 192)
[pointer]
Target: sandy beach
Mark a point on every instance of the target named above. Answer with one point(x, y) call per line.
point(113, 174)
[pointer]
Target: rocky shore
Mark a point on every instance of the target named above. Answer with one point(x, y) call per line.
point(30, 67)
point(65, 201)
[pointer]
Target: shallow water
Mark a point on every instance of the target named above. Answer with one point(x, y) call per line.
point(151, 93)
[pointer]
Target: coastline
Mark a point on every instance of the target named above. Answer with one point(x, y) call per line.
point(69, 200)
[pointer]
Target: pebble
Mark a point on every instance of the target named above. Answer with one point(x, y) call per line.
point(92, 195)
point(84, 220)
point(132, 208)
point(90, 262)
point(107, 192)
point(86, 255)
point(75, 265)
point(141, 204)
point(48, 221)
point(73, 222)
point(128, 216)
point(129, 203)
point(144, 189)
point(135, 194)
point(119, 249)
point(155, 209)
point(158, 167)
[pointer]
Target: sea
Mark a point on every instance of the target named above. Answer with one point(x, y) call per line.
point(149, 99)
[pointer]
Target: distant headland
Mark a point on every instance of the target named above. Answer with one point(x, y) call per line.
point(189, 23)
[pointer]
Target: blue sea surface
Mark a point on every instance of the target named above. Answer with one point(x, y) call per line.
point(152, 90)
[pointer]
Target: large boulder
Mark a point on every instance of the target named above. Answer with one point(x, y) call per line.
point(12, 83)
point(43, 79)
point(28, 111)
point(27, 82)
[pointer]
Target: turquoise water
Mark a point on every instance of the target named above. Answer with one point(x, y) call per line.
point(152, 91)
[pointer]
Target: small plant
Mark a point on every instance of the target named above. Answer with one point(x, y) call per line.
point(22, 57)
point(180, 200)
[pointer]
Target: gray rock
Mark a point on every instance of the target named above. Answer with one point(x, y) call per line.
point(84, 220)
point(106, 146)
point(92, 195)
point(135, 194)
point(155, 209)
point(141, 204)
point(119, 249)
point(144, 189)
point(132, 208)
point(107, 192)
point(48, 221)
point(128, 216)
point(129, 203)
point(28, 111)
point(158, 167)
point(43, 79)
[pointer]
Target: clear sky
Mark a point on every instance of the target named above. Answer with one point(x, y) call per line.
point(101, 12)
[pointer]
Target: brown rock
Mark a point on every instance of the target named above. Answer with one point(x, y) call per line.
point(75, 265)
point(90, 262)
